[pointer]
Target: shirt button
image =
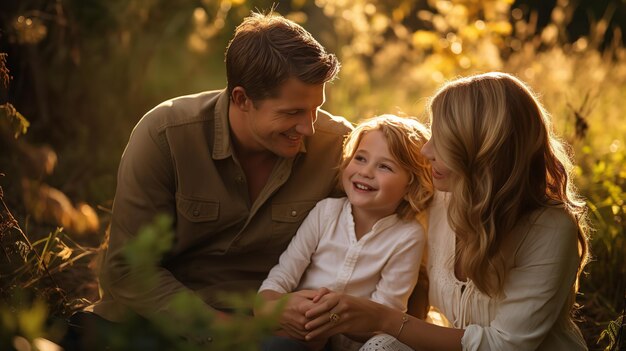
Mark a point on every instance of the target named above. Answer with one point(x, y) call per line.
point(294, 213)
point(239, 179)
point(196, 213)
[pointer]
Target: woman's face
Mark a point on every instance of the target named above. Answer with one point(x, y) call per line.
point(440, 171)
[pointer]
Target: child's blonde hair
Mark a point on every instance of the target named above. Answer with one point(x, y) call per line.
point(405, 138)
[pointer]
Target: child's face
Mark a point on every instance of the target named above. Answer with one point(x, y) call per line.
point(374, 182)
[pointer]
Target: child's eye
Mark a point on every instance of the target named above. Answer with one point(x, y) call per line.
point(359, 158)
point(385, 167)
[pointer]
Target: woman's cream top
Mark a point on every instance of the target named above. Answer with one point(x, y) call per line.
point(533, 313)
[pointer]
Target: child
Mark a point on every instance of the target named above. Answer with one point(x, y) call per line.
point(369, 243)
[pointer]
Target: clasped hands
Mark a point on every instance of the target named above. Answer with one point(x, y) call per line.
point(314, 314)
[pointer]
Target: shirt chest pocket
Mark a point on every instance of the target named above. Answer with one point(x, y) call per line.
point(197, 222)
point(196, 210)
point(286, 218)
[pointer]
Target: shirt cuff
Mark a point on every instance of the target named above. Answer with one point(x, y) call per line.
point(472, 338)
point(272, 286)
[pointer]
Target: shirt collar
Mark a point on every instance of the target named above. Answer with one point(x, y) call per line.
point(378, 227)
point(385, 223)
point(221, 143)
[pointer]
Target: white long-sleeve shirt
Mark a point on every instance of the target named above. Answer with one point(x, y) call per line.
point(533, 314)
point(382, 265)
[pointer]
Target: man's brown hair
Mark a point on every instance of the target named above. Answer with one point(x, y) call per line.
point(267, 49)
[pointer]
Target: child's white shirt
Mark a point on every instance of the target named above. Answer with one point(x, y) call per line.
point(382, 266)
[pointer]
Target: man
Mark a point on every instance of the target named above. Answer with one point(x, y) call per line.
point(237, 169)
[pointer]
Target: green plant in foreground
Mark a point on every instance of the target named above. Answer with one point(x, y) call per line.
point(186, 326)
point(616, 334)
point(25, 318)
point(31, 300)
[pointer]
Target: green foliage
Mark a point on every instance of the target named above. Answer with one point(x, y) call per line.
point(615, 333)
point(10, 118)
point(24, 316)
point(146, 250)
point(187, 313)
point(604, 286)
point(239, 331)
point(29, 294)
point(29, 321)
point(15, 121)
point(25, 265)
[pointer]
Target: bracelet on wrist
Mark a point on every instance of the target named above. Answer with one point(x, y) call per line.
point(405, 318)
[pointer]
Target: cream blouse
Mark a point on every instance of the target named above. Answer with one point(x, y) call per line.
point(533, 313)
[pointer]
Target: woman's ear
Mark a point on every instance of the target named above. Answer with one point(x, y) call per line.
point(240, 99)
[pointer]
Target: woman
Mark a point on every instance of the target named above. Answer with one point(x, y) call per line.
point(507, 235)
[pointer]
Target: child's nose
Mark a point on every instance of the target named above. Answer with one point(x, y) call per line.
point(366, 171)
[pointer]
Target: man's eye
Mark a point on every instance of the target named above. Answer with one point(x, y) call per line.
point(293, 113)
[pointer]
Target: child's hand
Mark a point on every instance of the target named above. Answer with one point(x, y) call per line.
point(321, 292)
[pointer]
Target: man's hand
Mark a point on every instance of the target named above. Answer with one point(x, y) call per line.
point(292, 319)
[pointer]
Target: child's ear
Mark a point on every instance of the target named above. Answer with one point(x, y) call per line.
point(240, 99)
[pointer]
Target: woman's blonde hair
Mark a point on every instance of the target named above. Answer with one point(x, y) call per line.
point(497, 140)
point(405, 138)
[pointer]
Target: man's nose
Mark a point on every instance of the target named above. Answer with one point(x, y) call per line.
point(306, 126)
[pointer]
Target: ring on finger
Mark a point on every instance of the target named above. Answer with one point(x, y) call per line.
point(334, 317)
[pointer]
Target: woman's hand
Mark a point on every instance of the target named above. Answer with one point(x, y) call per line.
point(321, 292)
point(336, 313)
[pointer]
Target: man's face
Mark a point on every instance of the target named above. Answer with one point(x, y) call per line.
point(280, 124)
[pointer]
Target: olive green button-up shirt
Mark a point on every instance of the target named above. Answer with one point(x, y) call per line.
point(179, 161)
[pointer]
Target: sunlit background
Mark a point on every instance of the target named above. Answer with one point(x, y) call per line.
point(84, 71)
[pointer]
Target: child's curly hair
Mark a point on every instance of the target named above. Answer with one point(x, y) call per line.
point(405, 137)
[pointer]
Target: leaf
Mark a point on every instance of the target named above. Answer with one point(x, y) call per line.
point(145, 250)
point(66, 251)
point(18, 124)
point(611, 332)
point(32, 321)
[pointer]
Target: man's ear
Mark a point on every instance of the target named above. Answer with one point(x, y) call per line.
point(241, 99)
